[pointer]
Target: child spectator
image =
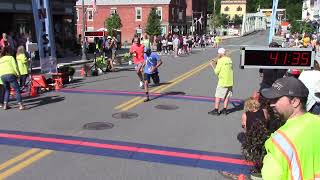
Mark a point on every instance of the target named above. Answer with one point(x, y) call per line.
point(253, 112)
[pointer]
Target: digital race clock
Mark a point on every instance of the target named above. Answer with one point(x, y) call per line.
point(95, 33)
point(276, 58)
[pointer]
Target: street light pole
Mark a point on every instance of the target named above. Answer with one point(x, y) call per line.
point(84, 55)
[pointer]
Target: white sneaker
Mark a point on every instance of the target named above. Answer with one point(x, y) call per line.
point(141, 84)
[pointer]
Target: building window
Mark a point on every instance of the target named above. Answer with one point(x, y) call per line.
point(226, 8)
point(89, 14)
point(138, 13)
point(163, 30)
point(159, 12)
point(77, 14)
point(239, 8)
point(113, 11)
point(180, 15)
point(172, 14)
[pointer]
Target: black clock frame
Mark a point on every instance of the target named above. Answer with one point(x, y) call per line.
point(264, 52)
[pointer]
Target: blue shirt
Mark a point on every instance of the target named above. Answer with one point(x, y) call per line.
point(151, 61)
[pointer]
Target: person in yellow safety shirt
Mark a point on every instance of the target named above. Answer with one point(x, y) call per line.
point(224, 71)
point(146, 42)
point(22, 62)
point(9, 74)
point(217, 41)
point(293, 151)
point(306, 40)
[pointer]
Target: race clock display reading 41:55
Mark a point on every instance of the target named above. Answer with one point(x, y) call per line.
point(277, 58)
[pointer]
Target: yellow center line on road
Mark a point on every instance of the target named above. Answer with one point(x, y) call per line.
point(174, 82)
point(153, 90)
point(18, 158)
point(25, 163)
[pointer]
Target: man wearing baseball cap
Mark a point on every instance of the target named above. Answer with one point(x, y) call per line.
point(223, 69)
point(293, 151)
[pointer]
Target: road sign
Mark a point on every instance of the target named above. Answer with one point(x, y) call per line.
point(276, 58)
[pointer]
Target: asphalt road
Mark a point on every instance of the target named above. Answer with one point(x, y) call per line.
point(48, 141)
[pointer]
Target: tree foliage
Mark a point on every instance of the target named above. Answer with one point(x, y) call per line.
point(302, 27)
point(212, 9)
point(153, 27)
point(238, 19)
point(293, 7)
point(113, 23)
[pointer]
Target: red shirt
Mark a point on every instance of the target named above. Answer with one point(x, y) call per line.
point(3, 43)
point(139, 51)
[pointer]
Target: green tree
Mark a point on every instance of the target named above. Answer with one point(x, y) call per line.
point(301, 27)
point(215, 21)
point(153, 27)
point(217, 7)
point(113, 23)
point(224, 19)
point(238, 19)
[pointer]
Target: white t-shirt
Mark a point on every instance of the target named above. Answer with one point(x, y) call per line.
point(311, 79)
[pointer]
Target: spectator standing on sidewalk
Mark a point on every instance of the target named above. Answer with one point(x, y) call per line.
point(224, 70)
point(146, 42)
point(151, 64)
point(293, 150)
point(137, 50)
point(311, 79)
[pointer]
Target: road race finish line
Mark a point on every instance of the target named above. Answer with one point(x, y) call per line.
point(167, 95)
point(184, 157)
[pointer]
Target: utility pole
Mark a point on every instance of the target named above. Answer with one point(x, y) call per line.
point(273, 19)
point(84, 55)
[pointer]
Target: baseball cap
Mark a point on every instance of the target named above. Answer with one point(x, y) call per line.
point(109, 37)
point(287, 86)
point(221, 51)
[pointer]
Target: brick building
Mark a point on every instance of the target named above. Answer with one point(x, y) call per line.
point(134, 15)
point(195, 10)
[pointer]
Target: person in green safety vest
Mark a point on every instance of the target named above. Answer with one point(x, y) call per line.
point(9, 73)
point(22, 62)
point(293, 151)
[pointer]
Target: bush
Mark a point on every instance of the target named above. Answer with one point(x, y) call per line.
point(253, 146)
point(127, 57)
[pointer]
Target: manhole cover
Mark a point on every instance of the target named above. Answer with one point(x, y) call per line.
point(125, 115)
point(167, 107)
point(98, 126)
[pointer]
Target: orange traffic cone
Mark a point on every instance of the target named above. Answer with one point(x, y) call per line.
point(83, 72)
point(241, 177)
point(57, 84)
point(33, 91)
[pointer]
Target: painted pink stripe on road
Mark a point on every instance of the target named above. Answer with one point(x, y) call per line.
point(127, 148)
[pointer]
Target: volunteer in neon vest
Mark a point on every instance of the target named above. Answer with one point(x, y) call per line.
point(293, 151)
point(9, 74)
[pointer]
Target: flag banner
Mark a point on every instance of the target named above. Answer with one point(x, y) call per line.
point(94, 6)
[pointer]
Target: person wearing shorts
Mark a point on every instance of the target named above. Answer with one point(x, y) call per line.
point(223, 69)
point(150, 66)
point(138, 50)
